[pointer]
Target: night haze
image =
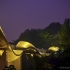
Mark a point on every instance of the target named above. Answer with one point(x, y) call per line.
point(18, 15)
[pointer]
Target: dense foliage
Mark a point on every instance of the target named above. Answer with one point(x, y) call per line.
point(53, 35)
point(41, 38)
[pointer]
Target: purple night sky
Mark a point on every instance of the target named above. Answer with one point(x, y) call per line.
point(19, 15)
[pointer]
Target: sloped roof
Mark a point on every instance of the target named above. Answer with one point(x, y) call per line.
point(3, 41)
point(14, 53)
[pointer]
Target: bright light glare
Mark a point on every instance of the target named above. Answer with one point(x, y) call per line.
point(53, 48)
point(1, 52)
point(32, 55)
point(23, 44)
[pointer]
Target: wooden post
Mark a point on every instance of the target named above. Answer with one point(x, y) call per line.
point(3, 61)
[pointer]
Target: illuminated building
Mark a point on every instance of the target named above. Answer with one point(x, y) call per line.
point(11, 54)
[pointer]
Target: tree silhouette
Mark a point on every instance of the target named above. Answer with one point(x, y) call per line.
point(65, 34)
point(11, 67)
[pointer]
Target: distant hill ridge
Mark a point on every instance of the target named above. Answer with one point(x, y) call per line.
point(53, 28)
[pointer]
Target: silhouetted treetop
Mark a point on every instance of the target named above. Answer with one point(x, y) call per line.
point(53, 28)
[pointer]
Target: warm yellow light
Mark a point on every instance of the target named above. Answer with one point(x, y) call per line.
point(12, 54)
point(53, 48)
point(1, 52)
point(32, 55)
point(44, 54)
point(24, 44)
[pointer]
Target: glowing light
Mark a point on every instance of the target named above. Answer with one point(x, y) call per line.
point(32, 55)
point(24, 44)
point(11, 54)
point(1, 52)
point(44, 54)
point(53, 48)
